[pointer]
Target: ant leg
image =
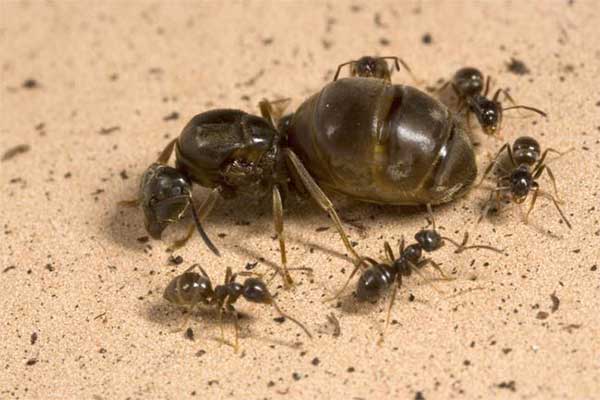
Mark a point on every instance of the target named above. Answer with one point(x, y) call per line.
point(202, 271)
point(388, 252)
point(389, 309)
point(401, 245)
point(560, 212)
point(505, 147)
point(179, 243)
point(294, 320)
point(354, 271)
point(552, 179)
point(415, 268)
point(486, 208)
point(278, 222)
point(323, 201)
point(487, 86)
point(164, 156)
point(540, 162)
point(533, 199)
point(185, 321)
point(228, 276)
point(209, 203)
point(129, 203)
point(444, 86)
point(435, 266)
point(430, 212)
point(273, 114)
point(564, 218)
point(339, 68)
point(397, 62)
point(468, 117)
point(236, 324)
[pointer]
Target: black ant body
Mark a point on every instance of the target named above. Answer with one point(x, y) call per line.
point(192, 289)
point(375, 280)
point(373, 67)
point(518, 174)
point(468, 85)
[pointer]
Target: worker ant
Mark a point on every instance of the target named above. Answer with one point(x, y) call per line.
point(518, 174)
point(468, 85)
point(192, 289)
point(375, 280)
point(373, 67)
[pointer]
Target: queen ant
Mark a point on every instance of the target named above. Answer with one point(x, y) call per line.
point(375, 280)
point(518, 174)
point(191, 289)
point(373, 67)
point(468, 85)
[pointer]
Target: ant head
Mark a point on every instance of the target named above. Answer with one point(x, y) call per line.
point(166, 195)
point(521, 182)
point(469, 81)
point(429, 239)
point(256, 291)
point(374, 281)
point(371, 67)
point(188, 289)
point(526, 150)
point(489, 115)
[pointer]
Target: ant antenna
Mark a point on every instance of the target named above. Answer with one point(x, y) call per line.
point(462, 246)
point(536, 110)
point(290, 318)
point(339, 293)
point(201, 231)
point(430, 212)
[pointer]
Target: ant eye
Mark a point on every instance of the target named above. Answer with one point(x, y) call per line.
point(176, 191)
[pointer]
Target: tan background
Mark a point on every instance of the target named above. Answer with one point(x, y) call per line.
point(76, 281)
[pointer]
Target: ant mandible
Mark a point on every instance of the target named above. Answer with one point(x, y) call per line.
point(468, 85)
point(519, 178)
point(192, 289)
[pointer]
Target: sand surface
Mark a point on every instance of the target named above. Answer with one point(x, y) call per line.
point(92, 91)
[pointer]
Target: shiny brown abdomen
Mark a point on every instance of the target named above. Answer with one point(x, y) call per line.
point(382, 143)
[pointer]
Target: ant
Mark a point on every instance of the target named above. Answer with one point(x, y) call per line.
point(373, 67)
point(520, 176)
point(376, 279)
point(468, 85)
point(192, 289)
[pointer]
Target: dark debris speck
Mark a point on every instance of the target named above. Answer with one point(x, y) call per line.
point(30, 84)
point(143, 239)
point(15, 151)
point(31, 361)
point(426, 38)
point(175, 260)
point(189, 334)
point(555, 302)
point(517, 67)
point(171, 117)
point(542, 315)
point(510, 385)
point(34, 338)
